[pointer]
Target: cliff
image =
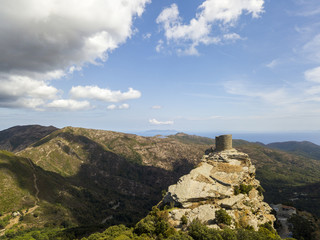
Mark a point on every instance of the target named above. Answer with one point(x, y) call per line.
point(223, 180)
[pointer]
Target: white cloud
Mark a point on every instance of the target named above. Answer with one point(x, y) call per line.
point(112, 107)
point(159, 46)
point(221, 14)
point(121, 107)
point(146, 36)
point(313, 90)
point(312, 49)
point(156, 122)
point(45, 40)
point(124, 106)
point(156, 107)
point(103, 94)
point(69, 104)
point(307, 8)
point(313, 75)
point(273, 63)
point(276, 96)
point(232, 36)
point(19, 91)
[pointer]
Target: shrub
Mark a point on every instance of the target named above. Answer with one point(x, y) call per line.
point(229, 234)
point(260, 190)
point(245, 189)
point(236, 190)
point(184, 220)
point(268, 226)
point(199, 231)
point(223, 217)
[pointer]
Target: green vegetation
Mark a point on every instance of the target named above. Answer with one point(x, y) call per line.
point(281, 174)
point(245, 189)
point(4, 221)
point(155, 226)
point(222, 217)
point(236, 190)
point(305, 148)
point(86, 176)
point(260, 190)
point(192, 139)
point(302, 227)
point(184, 220)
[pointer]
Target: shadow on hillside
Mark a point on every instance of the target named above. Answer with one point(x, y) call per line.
point(107, 188)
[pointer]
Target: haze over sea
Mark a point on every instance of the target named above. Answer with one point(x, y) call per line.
point(265, 138)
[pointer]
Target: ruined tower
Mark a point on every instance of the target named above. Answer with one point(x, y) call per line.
point(223, 142)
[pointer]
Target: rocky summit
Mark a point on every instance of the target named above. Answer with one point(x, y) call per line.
point(222, 180)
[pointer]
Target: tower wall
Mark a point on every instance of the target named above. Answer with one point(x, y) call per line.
point(223, 142)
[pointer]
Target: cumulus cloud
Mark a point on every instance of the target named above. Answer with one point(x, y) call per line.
point(69, 104)
point(154, 121)
point(121, 107)
point(103, 94)
point(18, 91)
point(211, 13)
point(45, 40)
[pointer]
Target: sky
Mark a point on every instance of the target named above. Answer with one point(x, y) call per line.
point(135, 65)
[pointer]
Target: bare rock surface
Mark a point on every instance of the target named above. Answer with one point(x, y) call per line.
point(224, 179)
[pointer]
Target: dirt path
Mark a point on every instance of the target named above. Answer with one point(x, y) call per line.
point(35, 179)
point(15, 220)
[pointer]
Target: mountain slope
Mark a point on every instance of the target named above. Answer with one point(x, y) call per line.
point(283, 174)
point(90, 176)
point(22, 185)
point(111, 173)
point(19, 137)
point(66, 150)
point(305, 148)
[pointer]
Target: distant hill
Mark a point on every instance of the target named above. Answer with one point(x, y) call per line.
point(151, 133)
point(305, 148)
point(19, 137)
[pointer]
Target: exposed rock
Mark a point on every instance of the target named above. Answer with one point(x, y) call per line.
point(211, 186)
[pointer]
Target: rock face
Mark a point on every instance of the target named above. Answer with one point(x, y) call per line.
point(223, 179)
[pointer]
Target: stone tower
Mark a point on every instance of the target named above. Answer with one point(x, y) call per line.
point(223, 142)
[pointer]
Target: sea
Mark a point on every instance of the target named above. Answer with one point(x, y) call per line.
point(262, 137)
point(266, 138)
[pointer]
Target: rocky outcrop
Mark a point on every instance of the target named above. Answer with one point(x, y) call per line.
point(224, 179)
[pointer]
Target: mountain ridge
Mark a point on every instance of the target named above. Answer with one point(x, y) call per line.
point(101, 170)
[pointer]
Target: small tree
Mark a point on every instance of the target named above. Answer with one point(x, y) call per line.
point(184, 220)
point(223, 217)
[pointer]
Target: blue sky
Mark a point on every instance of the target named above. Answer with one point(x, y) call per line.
point(192, 66)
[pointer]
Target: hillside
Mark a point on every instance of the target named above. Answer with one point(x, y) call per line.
point(23, 185)
point(94, 176)
point(65, 150)
point(97, 176)
point(283, 174)
point(19, 137)
point(305, 148)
